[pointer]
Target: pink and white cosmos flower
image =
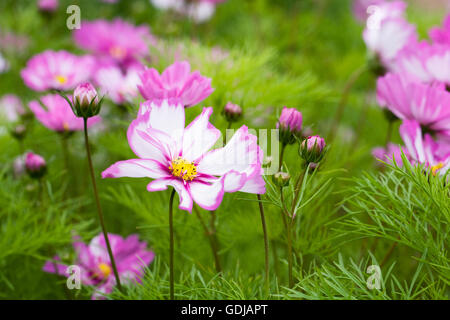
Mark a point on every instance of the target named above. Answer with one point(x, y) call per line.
point(408, 100)
point(423, 149)
point(177, 81)
point(131, 256)
point(441, 36)
point(117, 40)
point(178, 156)
point(392, 153)
point(58, 116)
point(118, 85)
point(58, 70)
point(388, 38)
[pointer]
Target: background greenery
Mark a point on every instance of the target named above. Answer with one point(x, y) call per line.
point(294, 53)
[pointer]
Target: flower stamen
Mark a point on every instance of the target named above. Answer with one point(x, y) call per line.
point(183, 169)
point(436, 168)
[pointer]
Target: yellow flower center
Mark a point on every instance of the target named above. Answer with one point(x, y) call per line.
point(434, 169)
point(61, 79)
point(65, 126)
point(104, 269)
point(117, 52)
point(183, 169)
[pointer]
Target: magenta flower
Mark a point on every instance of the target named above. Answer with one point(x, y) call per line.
point(390, 154)
point(130, 254)
point(290, 125)
point(312, 149)
point(314, 143)
point(48, 5)
point(428, 104)
point(35, 165)
point(117, 85)
point(423, 149)
point(59, 70)
point(441, 36)
point(232, 112)
point(386, 38)
point(58, 116)
point(177, 156)
point(176, 81)
point(117, 40)
point(11, 107)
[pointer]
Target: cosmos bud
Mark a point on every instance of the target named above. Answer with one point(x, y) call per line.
point(85, 101)
point(35, 165)
point(232, 112)
point(290, 125)
point(312, 149)
point(19, 131)
point(281, 179)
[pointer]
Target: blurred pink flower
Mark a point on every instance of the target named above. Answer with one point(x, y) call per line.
point(290, 125)
point(117, 40)
point(35, 165)
point(423, 149)
point(177, 156)
point(48, 5)
point(176, 81)
point(11, 107)
point(58, 115)
point(427, 104)
point(392, 153)
point(120, 86)
point(388, 37)
point(59, 70)
point(131, 258)
point(441, 36)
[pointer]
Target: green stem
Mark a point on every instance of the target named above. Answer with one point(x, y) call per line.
point(342, 103)
point(99, 208)
point(171, 244)
point(388, 254)
point(283, 146)
point(65, 152)
point(266, 242)
point(297, 191)
point(289, 245)
point(213, 243)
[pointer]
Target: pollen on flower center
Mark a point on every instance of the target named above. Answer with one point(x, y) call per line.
point(61, 79)
point(104, 269)
point(118, 52)
point(183, 169)
point(434, 169)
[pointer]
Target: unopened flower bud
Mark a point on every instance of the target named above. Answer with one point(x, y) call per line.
point(19, 131)
point(35, 165)
point(312, 149)
point(232, 112)
point(281, 179)
point(48, 5)
point(290, 125)
point(85, 101)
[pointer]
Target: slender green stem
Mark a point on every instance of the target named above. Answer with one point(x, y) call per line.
point(65, 151)
point(388, 254)
point(266, 242)
point(172, 296)
point(289, 245)
point(389, 132)
point(298, 185)
point(99, 208)
point(212, 241)
point(341, 107)
point(283, 146)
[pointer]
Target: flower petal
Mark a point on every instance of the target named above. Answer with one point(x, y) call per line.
point(135, 168)
point(208, 196)
point(183, 193)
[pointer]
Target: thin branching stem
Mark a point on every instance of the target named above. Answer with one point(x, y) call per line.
point(99, 208)
point(266, 242)
point(213, 243)
point(283, 147)
point(172, 296)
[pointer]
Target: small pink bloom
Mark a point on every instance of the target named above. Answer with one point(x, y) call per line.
point(423, 149)
point(35, 165)
point(390, 154)
point(131, 257)
point(85, 94)
point(178, 156)
point(312, 149)
point(58, 116)
point(388, 37)
point(59, 70)
point(48, 5)
point(290, 120)
point(427, 104)
point(117, 40)
point(120, 86)
point(314, 143)
point(11, 107)
point(232, 112)
point(176, 81)
point(441, 36)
